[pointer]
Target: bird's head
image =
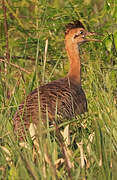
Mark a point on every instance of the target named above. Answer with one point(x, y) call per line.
point(76, 33)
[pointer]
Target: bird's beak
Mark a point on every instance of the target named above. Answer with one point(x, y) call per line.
point(88, 34)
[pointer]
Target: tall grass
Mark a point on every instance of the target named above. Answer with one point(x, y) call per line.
point(93, 136)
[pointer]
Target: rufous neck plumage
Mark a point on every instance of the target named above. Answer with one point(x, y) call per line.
point(74, 57)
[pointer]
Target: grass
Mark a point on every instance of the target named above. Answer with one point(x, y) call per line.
point(93, 136)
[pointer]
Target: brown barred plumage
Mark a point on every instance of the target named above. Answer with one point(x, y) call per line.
point(64, 96)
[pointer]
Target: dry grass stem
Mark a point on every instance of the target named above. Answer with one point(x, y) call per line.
point(16, 66)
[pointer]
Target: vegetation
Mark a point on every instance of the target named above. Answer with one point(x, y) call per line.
point(32, 53)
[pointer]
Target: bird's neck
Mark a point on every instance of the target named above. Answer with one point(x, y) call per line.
point(74, 57)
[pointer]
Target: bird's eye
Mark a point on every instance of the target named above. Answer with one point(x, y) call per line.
point(81, 32)
point(78, 34)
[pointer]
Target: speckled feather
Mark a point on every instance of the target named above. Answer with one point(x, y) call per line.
point(63, 95)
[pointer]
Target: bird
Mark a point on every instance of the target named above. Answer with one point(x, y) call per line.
point(63, 97)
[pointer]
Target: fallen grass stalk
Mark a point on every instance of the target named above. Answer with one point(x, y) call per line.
point(16, 66)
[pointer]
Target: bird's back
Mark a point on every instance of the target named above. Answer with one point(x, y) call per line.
point(61, 97)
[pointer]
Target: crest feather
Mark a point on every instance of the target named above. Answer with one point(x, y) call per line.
point(75, 24)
